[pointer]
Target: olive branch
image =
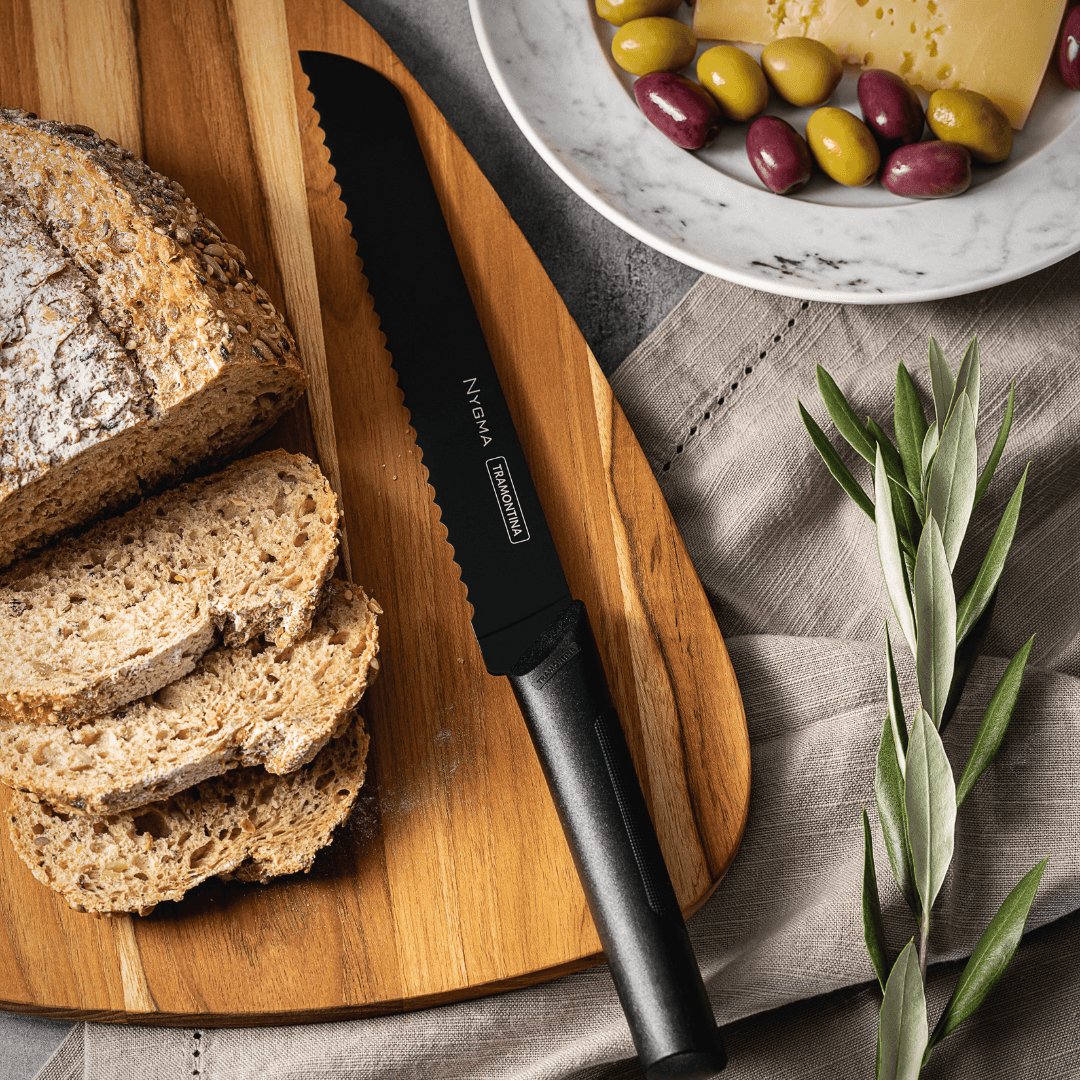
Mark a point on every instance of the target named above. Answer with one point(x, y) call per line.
point(926, 486)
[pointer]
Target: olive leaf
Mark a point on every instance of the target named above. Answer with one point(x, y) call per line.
point(926, 455)
point(967, 379)
point(902, 1026)
point(967, 652)
point(908, 522)
point(995, 722)
point(844, 417)
point(974, 601)
point(950, 493)
point(909, 423)
point(942, 382)
point(992, 954)
point(894, 466)
point(873, 926)
point(835, 465)
point(895, 703)
point(935, 621)
point(996, 451)
point(930, 806)
point(889, 795)
point(888, 544)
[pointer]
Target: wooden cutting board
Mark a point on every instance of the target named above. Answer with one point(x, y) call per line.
point(452, 879)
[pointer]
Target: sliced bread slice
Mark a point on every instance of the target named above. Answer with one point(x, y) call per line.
point(248, 824)
point(131, 605)
point(134, 342)
point(253, 704)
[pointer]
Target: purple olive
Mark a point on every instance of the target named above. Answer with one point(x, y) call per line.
point(1069, 53)
point(779, 154)
point(683, 110)
point(928, 170)
point(892, 110)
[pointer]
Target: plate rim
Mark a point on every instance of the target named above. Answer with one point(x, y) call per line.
point(1041, 260)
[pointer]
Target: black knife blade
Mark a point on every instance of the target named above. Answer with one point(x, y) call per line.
point(474, 460)
point(527, 624)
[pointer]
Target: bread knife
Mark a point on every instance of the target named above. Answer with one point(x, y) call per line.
point(528, 625)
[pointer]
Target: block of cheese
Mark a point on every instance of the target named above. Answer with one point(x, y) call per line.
point(998, 47)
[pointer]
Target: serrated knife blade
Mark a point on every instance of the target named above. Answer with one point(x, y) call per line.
point(527, 623)
point(470, 448)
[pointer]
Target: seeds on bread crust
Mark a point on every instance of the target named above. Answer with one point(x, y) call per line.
point(185, 356)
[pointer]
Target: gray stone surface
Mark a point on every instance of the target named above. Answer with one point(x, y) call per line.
point(616, 288)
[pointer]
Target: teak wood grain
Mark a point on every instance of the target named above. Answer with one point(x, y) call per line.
point(452, 879)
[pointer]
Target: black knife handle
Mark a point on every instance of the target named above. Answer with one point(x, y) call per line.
point(564, 697)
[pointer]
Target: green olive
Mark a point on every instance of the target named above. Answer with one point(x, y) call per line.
point(972, 120)
point(801, 70)
point(619, 12)
point(843, 146)
point(653, 44)
point(735, 79)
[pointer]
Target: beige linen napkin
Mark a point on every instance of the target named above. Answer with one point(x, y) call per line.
point(791, 568)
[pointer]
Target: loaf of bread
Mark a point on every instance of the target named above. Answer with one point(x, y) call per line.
point(248, 824)
point(254, 704)
point(131, 605)
point(134, 342)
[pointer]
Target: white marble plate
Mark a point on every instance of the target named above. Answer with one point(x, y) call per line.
point(551, 63)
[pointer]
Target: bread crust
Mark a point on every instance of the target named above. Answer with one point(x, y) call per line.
point(189, 352)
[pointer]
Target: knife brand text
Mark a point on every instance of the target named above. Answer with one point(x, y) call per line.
point(556, 663)
point(503, 485)
point(472, 395)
